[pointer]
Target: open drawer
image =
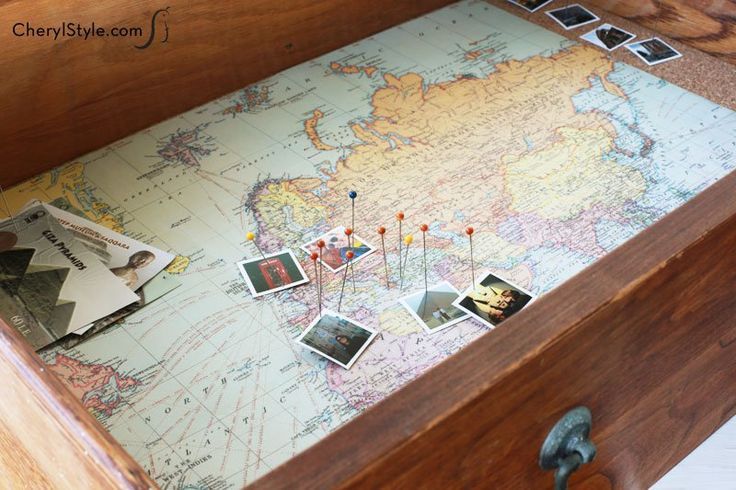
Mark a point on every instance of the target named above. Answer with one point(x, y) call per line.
point(604, 190)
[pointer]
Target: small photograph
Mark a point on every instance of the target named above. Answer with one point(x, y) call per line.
point(493, 300)
point(337, 338)
point(530, 5)
point(273, 273)
point(336, 246)
point(572, 16)
point(608, 37)
point(654, 51)
point(434, 309)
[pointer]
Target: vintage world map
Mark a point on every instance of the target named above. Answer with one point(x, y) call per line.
point(466, 116)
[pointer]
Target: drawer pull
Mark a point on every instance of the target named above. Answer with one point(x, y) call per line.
point(567, 446)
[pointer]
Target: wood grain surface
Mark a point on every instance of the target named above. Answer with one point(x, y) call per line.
point(645, 337)
point(708, 25)
point(60, 99)
point(47, 438)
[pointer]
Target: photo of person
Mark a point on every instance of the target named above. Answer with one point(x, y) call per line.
point(128, 273)
point(273, 273)
point(530, 5)
point(434, 310)
point(336, 338)
point(654, 51)
point(493, 300)
point(608, 37)
point(336, 246)
point(572, 16)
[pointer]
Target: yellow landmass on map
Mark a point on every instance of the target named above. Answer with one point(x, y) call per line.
point(66, 182)
point(310, 127)
point(571, 175)
point(511, 142)
point(178, 265)
point(471, 124)
point(289, 202)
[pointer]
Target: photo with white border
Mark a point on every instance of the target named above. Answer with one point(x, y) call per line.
point(336, 245)
point(653, 51)
point(493, 299)
point(434, 309)
point(337, 338)
point(572, 16)
point(272, 273)
point(608, 37)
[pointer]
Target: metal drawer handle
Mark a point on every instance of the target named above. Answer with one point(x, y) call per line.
point(567, 446)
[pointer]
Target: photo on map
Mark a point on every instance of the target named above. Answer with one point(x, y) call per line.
point(654, 51)
point(530, 5)
point(608, 37)
point(493, 299)
point(434, 310)
point(336, 246)
point(275, 272)
point(572, 16)
point(337, 338)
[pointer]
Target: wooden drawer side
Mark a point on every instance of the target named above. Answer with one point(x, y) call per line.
point(47, 438)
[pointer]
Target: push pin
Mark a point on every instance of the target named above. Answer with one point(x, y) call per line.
point(382, 231)
point(314, 256)
point(349, 234)
point(408, 239)
point(400, 218)
point(469, 231)
point(348, 255)
point(251, 237)
point(320, 246)
point(352, 195)
point(424, 229)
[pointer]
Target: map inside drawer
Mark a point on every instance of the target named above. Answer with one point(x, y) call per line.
point(467, 116)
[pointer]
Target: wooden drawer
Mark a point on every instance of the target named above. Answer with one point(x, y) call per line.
point(644, 337)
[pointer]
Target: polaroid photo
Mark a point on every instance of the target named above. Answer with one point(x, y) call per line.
point(336, 246)
point(608, 37)
point(530, 5)
point(434, 310)
point(337, 338)
point(572, 16)
point(493, 299)
point(275, 272)
point(654, 51)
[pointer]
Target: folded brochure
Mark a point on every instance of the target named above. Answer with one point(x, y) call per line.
point(147, 294)
point(61, 283)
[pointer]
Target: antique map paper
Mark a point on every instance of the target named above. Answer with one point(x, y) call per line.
point(466, 116)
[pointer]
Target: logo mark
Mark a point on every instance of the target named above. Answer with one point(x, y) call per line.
point(152, 36)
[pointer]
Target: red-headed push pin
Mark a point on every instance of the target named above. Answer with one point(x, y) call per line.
point(348, 255)
point(424, 229)
point(382, 231)
point(469, 231)
point(400, 218)
point(320, 246)
point(349, 234)
point(314, 256)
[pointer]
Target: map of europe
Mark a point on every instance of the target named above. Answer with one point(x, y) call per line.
point(466, 116)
